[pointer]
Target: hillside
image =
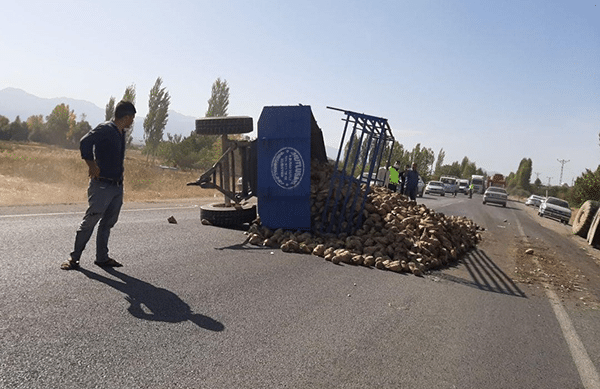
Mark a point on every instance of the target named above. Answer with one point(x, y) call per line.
point(16, 102)
point(35, 174)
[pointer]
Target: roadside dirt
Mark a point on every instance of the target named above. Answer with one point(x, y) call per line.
point(571, 269)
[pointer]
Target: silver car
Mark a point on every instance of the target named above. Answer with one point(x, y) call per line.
point(495, 195)
point(534, 200)
point(435, 187)
point(556, 209)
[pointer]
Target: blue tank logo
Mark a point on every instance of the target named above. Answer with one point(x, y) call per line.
point(287, 168)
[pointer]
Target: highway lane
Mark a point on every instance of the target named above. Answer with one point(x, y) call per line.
point(194, 308)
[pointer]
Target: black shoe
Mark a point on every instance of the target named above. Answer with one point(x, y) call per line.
point(70, 264)
point(108, 263)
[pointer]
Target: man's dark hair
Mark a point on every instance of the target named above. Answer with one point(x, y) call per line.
point(124, 108)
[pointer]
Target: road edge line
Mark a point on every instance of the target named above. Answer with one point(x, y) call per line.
point(587, 371)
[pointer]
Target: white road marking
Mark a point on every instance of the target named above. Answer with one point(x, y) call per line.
point(587, 371)
point(81, 213)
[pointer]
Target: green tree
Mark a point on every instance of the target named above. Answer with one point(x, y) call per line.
point(219, 99)
point(158, 115)
point(109, 111)
point(424, 159)
point(440, 162)
point(78, 131)
point(58, 124)
point(4, 128)
point(37, 128)
point(18, 130)
point(586, 187)
point(350, 152)
point(401, 155)
point(521, 179)
point(467, 168)
point(192, 152)
point(129, 95)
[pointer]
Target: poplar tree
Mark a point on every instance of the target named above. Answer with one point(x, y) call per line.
point(158, 114)
point(129, 95)
point(219, 99)
point(109, 111)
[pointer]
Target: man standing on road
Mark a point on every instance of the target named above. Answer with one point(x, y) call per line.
point(103, 149)
point(412, 182)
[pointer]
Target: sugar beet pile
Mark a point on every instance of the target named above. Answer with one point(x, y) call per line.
point(397, 234)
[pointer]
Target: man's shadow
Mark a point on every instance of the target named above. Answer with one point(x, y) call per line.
point(151, 303)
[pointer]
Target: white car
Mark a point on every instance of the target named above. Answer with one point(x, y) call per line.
point(534, 200)
point(496, 195)
point(435, 187)
point(556, 209)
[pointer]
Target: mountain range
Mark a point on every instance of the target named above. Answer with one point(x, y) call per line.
point(16, 102)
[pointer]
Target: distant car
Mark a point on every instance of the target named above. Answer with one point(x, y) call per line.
point(435, 187)
point(495, 195)
point(556, 209)
point(534, 200)
point(463, 186)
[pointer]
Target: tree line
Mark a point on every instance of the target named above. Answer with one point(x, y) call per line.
point(61, 127)
point(423, 157)
point(586, 187)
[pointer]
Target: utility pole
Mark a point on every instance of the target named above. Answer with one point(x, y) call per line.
point(537, 176)
point(562, 165)
point(549, 178)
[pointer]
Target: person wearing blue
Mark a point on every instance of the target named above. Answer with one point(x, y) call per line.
point(103, 149)
point(412, 182)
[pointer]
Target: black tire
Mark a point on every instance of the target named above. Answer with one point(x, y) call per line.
point(585, 216)
point(221, 216)
point(224, 125)
point(593, 235)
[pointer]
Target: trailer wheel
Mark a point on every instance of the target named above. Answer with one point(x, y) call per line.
point(585, 216)
point(220, 215)
point(224, 125)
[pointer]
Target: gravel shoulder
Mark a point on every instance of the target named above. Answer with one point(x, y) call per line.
point(570, 266)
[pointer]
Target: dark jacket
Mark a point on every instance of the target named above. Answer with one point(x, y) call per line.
point(412, 179)
point(105, 145)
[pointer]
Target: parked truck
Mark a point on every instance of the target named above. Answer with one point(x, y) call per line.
point(497, 180)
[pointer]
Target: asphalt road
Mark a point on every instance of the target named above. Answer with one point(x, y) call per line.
point(193, 308)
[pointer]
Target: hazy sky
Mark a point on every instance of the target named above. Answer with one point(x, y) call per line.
point(496, 81)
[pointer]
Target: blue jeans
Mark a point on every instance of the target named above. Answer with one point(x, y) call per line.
point(105, 201)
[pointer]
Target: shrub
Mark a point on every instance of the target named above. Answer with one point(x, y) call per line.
point(587, 187)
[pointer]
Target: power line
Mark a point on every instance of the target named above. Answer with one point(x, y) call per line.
point(562, 165)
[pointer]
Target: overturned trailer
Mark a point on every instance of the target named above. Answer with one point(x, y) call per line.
point(276, 168)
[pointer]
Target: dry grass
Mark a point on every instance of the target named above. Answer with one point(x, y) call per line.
point(32, 174)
